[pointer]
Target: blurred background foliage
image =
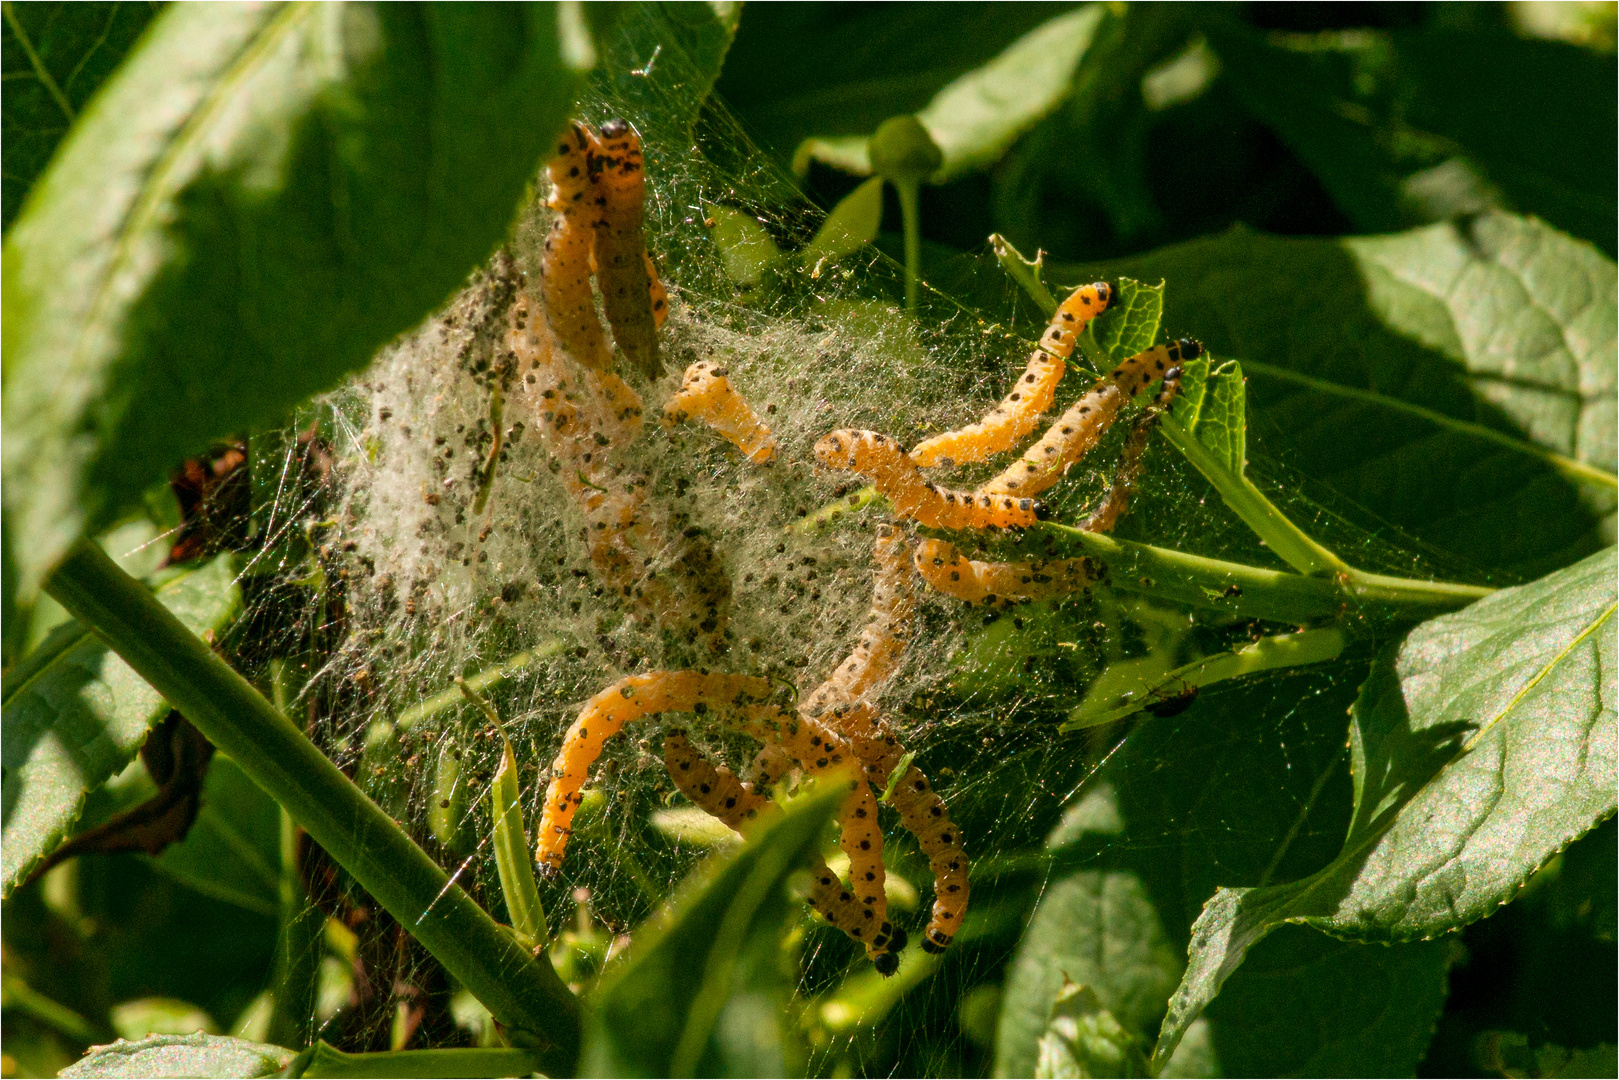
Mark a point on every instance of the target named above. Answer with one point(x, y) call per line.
point(1308, 119)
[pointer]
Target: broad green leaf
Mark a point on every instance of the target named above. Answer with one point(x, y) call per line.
point(325, 1060)
point(255, 201)
point(510, 841)
point(699, 992)
point(75, 714)
point(1098, 928)
point(1419, 126)
point(181, 1055)
point(977, 117)
point(1083, 1039)
point(1456, 380)
point(232, 851)
point(1314, 1006)
point(848, 70)
point(1480, 747)
point(852, 224)
point(54, 56)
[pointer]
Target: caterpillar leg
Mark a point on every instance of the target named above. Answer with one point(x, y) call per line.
point(881, 460)
point(949, 572)
point(883, 640)
point(1019, 412)
point(603, 716)
point(706, 394)
point(622, 266)
point(1083, 425)
point(716, 790)
point(924, 816)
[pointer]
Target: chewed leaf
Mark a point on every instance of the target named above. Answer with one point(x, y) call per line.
point(662, 1012)
point(1084, 1039)
point(75, 714)
point(1130, 324)
point(1481, 746)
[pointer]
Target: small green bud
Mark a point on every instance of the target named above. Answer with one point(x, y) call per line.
point(903, 152)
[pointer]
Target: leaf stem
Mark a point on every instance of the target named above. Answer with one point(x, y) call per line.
point(1578, 471)
point(910, 213)
point(1287, 540)
point(520, 991)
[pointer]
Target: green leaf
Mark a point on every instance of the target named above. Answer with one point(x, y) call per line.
point(699, 993)
point(851, 225)
point(181, 1055)
point(849, 70)
point(1099, 928)
point(746, 249)
point(75, 714)
point(1459, 378)
point(232, 851)
point(1308, 1005)
point(1130, 324)
point(1479, 749)
point(661, 60)
point(510, 841)
point(323, 1059)
point(977, 117)
point(256, 200)
point(1084, 1039)
point(54, 57)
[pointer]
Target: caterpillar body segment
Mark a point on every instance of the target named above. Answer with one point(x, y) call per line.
point(716, 790)
point(1117, 501)
point(924, 815)
point(948, 571)
point(887, 632)
point(706, 394)
point(630, 698)
point(1082, 426)
point(1019, 412)
point(570, 306)
point(881, 460)
point(622, 268)
point(621, 409)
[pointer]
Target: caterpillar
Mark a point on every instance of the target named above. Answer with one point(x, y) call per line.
point(923, 814)
point(716, 790)
point(622, 265)
point(706, 394)
point(570, 307)
point(1079, 429)
point(880, 459)
point(1019, 413)
point(659, 294)
point(885, 635)
point(630, 698)
point(949, 572)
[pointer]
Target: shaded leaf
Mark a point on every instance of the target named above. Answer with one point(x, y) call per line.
point(256, 200)
point(746, 249)
point(700, 992)
point(75, 714)
point(54, 57)
point(323, 1059)
point(1439, 338)
point(181, 1055)
point(1479, 749)
point(663, 59)
point(1084, 1039)
point(232, 852)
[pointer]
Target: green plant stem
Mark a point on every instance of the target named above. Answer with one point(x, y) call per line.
point(1264, 594)
point(910, 213)
point(299, 933)
point(519, 990)
point(1287, 540)
point(1577, 471)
